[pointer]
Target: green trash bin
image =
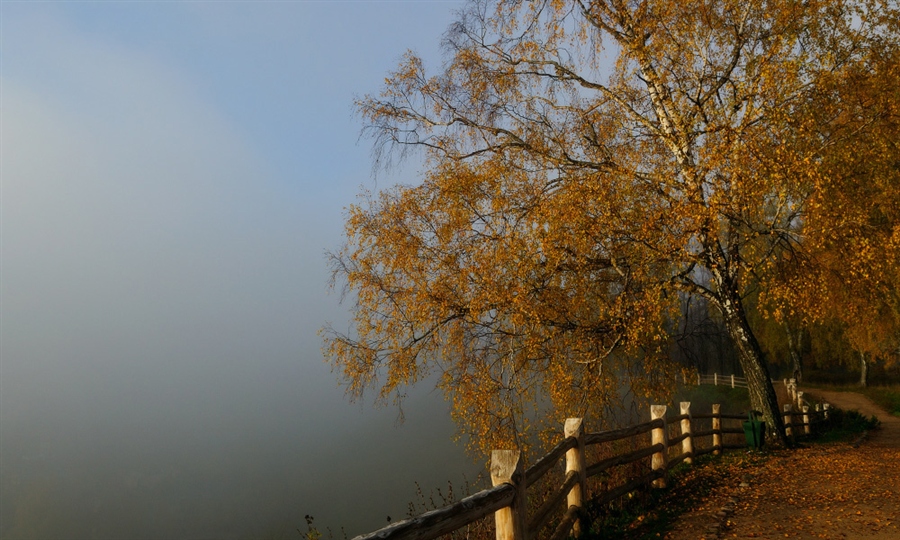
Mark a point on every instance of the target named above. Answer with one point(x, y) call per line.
point(755, 430)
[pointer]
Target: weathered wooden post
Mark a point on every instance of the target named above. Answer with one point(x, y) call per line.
point(806, 429)
point(732, 381)
point(800, 400)
point(660, 435)
point(715, 379)
point(698, 378)
point(788, 420)
point(506, 468)
point(687, 445)
point(575, 462)
point(717, 428)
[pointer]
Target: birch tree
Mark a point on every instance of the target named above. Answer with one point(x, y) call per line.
point(587, 163)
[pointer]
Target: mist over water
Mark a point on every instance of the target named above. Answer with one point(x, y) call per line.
point(184, 471)
point(171, 177)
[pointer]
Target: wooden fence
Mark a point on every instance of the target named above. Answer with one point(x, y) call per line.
point(733, 381)
point(507, 500)
point(721, 380)
point(798, 405)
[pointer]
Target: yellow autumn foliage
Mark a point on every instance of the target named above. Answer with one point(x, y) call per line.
point(587, 164)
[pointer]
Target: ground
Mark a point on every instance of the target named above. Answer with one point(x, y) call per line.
point(838, 490)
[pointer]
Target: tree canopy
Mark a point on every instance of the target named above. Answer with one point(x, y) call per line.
point(848, 277)
point(587, 165)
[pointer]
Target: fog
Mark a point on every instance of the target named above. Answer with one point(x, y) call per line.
point(171, 176)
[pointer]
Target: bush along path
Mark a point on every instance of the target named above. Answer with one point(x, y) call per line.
point(825, 490)
point(888, 435)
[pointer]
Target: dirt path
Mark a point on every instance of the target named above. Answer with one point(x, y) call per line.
point(888, 435)
point(823, 491)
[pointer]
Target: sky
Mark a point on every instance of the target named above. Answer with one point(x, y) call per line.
point(171, 177)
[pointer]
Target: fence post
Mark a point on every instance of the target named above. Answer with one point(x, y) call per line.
point(806, 429)
point(732, 381)
point(660, 435)
point(800, 400)
point(715, 379)
point(698, 378)
point(788, 421)
point(575, 462)
point(717, 428)
point(827, 408)
point(687, 445)
point(506, 468)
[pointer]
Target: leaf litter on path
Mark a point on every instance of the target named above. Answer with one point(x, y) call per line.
point(832, 491)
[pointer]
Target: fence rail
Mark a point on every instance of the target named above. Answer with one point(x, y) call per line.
point(507, 499)
point(715, 379)
point(796, 396)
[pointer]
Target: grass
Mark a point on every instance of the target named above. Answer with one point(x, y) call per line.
point(886, 397)
point(702, 398)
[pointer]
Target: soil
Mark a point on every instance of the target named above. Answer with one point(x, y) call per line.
point(888, 435)
point(839, 490)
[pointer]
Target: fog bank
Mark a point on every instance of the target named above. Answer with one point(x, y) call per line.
point(162, 278)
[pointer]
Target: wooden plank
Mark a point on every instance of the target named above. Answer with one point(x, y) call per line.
point(734, 446)
point(542, 514)
point(506, 468)
point(624, 433)
point(614, 494)
point(676, 460)
point(447, 519)
point(717, 427)
point(788, 420)
point(724, 380)
point(543, 465)
point(704, 433)
point(687, 444)
point(574, 427)
point(678, 438)
point(562, 530)
point(622, 459)
point(659, 435)
point(703, 452)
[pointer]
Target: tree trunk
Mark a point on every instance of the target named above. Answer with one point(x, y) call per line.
point(794, 348)
point(863, 370)
point(759, 383)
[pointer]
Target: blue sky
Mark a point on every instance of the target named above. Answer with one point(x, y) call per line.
point(171, 175)
point(282, 75)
